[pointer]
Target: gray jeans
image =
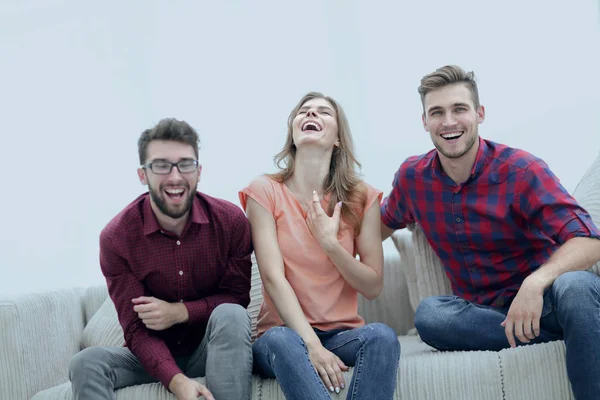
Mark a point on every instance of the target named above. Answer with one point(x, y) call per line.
point(224, 357)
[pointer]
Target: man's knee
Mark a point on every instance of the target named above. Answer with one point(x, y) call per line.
point(576, 287)
point(88, 361)
point(230, 319)
point(427, 314)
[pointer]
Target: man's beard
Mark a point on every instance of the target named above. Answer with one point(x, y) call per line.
point(160, 201)
point(468, 146)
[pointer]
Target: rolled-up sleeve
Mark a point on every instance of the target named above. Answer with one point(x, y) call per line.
point(395, 213)
point(546, 204)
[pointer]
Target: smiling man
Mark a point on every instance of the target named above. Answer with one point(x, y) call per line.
point(515, 245)
point(177, 264)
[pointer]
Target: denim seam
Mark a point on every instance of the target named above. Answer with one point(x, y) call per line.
point(314, 369)
point(357, 369)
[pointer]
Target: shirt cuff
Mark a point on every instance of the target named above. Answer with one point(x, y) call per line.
point(166, 371)
point(580, 226)
point(389, 221)
point(197, 311)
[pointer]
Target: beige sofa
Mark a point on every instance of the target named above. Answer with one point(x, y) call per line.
point(39, 333)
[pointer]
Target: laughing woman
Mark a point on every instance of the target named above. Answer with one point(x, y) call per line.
point(309, 221)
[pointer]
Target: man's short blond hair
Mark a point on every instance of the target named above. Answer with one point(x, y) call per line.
point(448, 75)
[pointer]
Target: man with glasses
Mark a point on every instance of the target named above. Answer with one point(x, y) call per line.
point(177, 264)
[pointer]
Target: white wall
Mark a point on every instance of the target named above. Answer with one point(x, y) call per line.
point(80, 81)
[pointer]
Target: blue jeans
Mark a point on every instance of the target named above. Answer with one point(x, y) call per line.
point(372, 349)
point(571, 311)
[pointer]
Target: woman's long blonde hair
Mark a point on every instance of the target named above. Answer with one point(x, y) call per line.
point(342, 181)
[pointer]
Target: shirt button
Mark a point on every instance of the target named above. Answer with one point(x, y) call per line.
point(181, 300)
point(457, 219)
point(180, 272)
point(481, 292)
point(179, 342)
point(473, 269)
point(178, 243)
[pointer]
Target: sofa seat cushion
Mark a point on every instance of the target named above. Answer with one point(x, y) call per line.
point(149, 391)
point(536, 371)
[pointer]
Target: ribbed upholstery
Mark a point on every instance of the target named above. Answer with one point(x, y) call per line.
point(392, 306)
point(536, 372)
point(103, 329)
point(93, 298)
point(587, 194)
point(432, 375)
point(404, 244)
point(39, 333)
point(255, 295)
point(431, 277)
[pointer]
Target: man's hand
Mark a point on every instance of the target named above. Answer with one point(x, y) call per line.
point(157, 314)
point(323, 227)
point(328, 366)
point(185, 388)
point(523, 318)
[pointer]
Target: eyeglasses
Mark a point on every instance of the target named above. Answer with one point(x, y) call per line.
point(165, 167)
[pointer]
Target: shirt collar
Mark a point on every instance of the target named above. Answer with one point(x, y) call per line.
point(198, 215)
point(482, 154)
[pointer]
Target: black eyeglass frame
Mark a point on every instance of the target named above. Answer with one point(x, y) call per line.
point(150, 164)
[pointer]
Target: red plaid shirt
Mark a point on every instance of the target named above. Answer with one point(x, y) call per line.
point(208, 265)
point(493, 230)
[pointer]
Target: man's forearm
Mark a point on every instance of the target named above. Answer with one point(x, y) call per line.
point(576, 254)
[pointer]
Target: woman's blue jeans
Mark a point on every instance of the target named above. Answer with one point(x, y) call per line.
point(373, 350)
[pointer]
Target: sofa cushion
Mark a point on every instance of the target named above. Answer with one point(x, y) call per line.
point(256, 296)
point(523, 377)
point(402, 240)
point(425, 274)
point(587, 194)
point(103, 329)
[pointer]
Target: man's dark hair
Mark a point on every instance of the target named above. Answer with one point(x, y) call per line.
point(168, 129)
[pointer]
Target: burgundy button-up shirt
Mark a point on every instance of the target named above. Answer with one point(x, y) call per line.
point(208, 265)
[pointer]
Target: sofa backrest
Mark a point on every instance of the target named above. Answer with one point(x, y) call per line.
point(587, 194)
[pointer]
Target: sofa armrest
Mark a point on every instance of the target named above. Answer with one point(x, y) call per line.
point(39, 333)
point(392, 306)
